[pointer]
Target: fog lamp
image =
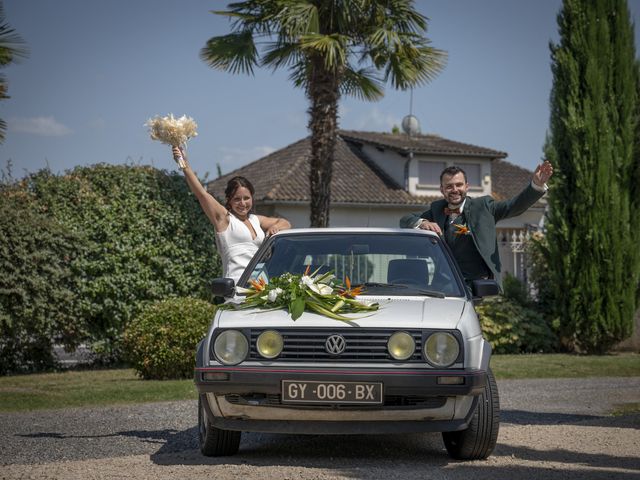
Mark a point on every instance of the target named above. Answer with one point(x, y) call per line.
point(270, 344)
point(401, 346)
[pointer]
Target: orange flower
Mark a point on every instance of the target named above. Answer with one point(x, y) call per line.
point(461, 229)
point(350, 292)
point(259, 285)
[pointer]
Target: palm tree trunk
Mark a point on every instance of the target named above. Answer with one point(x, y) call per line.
point(323, 93)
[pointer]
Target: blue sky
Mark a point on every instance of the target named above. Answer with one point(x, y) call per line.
point(99, 69)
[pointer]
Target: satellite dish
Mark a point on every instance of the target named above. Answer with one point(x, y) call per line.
point(411, 125)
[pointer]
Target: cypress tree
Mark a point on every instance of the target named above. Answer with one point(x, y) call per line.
point(593, 221)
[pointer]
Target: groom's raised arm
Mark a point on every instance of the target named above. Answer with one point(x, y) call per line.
point(412, 220)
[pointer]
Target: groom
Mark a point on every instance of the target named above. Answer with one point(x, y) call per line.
point(469, 224)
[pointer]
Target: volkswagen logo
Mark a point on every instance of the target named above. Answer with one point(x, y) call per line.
point(335, 344)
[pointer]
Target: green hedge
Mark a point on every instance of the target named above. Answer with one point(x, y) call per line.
point(147, 240)
point(161, 342)
point(37, 300)
point(133, 235)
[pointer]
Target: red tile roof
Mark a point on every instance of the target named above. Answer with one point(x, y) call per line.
point(426, 144)
point(283, 176)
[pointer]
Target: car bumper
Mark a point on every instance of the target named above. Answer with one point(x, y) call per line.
point(247, 398)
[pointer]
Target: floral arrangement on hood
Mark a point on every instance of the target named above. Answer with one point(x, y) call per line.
point(315, 292)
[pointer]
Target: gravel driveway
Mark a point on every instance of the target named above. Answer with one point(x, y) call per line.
point(551, 429)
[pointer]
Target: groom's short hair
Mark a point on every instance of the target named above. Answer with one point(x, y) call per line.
point(453, 170)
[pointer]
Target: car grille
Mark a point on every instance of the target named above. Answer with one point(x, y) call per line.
point(302, 345)
point(390, 401)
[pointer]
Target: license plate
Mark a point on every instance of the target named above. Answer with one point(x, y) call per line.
point(294, 391)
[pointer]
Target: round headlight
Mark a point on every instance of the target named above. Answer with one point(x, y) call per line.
point(401, 346)
point(231, 347)
point(270, 344)
point(441, 349)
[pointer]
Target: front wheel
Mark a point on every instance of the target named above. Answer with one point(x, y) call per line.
point(479, 439)
point(215, 442)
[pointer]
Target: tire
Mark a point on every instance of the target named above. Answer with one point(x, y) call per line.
point(479, 439)
point(215, 442)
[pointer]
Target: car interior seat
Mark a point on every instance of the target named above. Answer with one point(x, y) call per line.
point(408, 271)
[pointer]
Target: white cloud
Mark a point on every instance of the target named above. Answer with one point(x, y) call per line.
point(98, 123)
point(377, 121)
point(44, 126)
point(232, 158)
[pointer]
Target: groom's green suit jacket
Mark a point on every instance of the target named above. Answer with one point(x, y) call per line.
point(481, 215)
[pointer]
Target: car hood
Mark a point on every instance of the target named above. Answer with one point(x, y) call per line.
point(401, 312)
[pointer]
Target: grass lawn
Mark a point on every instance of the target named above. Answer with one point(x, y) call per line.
point(558, 365)
point(86, 388)
point(107, 387)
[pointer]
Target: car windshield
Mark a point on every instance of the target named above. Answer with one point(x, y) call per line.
point(386, 264)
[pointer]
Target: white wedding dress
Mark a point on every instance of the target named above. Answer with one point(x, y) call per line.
point(236, 245)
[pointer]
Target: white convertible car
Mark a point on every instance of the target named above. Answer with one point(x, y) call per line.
point(417, 364)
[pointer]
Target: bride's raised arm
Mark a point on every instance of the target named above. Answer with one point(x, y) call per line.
point(214, 210)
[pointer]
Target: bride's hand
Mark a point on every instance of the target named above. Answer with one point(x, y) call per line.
point(178, 153)
point(272, 230)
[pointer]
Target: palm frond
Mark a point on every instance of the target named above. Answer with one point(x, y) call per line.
point(298, 18)
point(3, 87)
point(280, 54)
point(300, 74)
point(404, 17)
point(235, 52)
point(12, 46)
point(331, 48)
point(362, 84)
point(413, 66)
point(256, 16)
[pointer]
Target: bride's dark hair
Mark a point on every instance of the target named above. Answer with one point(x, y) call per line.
point(233, 185)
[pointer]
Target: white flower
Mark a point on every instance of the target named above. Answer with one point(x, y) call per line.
point(324, 289)
point(320, 288)
point(273, 294)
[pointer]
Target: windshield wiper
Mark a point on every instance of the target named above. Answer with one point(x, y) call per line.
point(389, 285)
point(429, 293)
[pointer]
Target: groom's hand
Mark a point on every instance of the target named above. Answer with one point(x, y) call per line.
point(432, 226)
point(543, 173)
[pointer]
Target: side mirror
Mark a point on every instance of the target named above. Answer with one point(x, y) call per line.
point(484, 288)
point(223, 287)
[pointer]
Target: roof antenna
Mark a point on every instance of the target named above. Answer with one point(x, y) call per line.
point(410, 124)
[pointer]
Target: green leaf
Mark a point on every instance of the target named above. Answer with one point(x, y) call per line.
point(296, 308)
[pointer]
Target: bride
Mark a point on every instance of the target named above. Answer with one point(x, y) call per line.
point(239, 232)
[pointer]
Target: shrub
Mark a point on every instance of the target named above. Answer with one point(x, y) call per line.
point(537, 249)
point(146, 240)
point(513, 328)
point(37, 301)
point(161, 342)
point(516, 290)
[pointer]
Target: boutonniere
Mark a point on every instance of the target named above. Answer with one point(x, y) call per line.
point(461, 230)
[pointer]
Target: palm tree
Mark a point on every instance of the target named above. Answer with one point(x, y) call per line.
point(12, 48)
point(331, 48)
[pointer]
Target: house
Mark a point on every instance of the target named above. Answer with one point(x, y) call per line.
point(379, 177)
